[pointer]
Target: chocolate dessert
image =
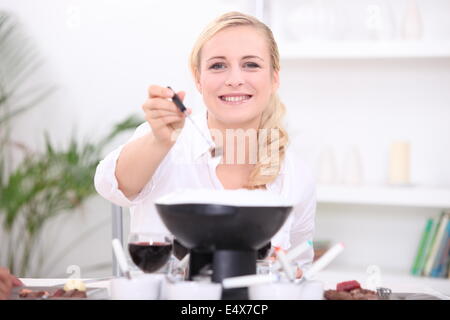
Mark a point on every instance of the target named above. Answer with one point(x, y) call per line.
point(350, 290)
point(26, 293)
point(60, 293)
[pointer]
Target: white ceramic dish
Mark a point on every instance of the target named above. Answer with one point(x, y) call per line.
point(143, 287)
point(192, 290)
point(275, 291)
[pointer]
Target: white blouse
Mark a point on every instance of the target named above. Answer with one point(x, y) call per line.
point(188, 164)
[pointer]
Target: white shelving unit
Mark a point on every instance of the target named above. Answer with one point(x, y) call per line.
point(364, 50)
point(421, 199)
point(385, 195)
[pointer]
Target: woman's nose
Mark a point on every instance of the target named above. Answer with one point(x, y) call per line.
point(234, 78)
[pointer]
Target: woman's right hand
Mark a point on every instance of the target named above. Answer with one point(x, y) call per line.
point(163, 115)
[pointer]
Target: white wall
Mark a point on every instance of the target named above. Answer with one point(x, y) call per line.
point(370, 104)
point(105, 53)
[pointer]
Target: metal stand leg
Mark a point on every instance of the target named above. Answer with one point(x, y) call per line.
point(117, 232)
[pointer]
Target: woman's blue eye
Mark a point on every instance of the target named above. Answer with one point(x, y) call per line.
point(216, 65)
point(252, 65)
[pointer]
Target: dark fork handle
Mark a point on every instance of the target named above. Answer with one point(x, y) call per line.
point(176, 99)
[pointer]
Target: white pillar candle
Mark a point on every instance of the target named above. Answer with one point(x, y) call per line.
point(399, 163)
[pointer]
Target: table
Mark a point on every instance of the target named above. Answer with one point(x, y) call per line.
point(396, 282)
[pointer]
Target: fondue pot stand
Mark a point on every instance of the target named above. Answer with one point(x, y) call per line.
point(224, 237)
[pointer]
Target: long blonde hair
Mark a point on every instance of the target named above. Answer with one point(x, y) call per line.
point(268, 165)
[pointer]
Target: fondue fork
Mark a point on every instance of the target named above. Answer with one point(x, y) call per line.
point(294, 253)
point(247, 280)
point(281, 256)
point(322, 262)
point(215, 151)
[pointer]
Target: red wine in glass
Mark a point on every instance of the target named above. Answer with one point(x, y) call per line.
point(150, 257)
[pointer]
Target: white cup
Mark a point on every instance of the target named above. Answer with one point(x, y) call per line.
point(312, 290)
point(192, 290)
point(143, 287)
point(275, 291)
point(352, 170)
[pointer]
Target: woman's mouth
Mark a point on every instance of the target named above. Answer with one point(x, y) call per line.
point(235, 99)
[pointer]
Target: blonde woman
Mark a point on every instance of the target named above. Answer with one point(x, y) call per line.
point(235, 65)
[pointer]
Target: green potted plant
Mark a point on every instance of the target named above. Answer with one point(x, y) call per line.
point(44, 184)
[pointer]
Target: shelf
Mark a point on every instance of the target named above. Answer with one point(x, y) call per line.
point(385, 195)
point(364, 50)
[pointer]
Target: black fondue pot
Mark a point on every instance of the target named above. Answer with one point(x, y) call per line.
point(226, 237)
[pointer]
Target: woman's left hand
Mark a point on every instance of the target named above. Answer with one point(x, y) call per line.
point(16, 281)
point(7, 281)
point(298, 273)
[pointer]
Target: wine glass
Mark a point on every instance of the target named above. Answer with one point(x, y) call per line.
point(150, 251)
point(178, 267)
point(264, 261)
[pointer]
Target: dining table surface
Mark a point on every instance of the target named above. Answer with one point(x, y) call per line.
point(330, 278)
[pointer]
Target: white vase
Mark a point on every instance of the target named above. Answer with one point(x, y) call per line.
point(327, 167)
point(352, 170)
point(312, 20)
point(379, 21)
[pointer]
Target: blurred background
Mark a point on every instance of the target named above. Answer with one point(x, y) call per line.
point(366, 84)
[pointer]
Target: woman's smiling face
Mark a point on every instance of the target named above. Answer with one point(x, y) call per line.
point(236, 77)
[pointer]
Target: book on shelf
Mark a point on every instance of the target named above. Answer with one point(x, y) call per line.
point(427, 247)
point(440, 264)
point(436, 242)
point(419, 260)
